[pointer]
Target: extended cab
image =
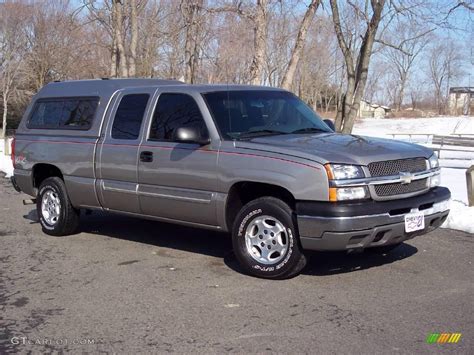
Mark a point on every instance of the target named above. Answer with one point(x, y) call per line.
point(253, 161)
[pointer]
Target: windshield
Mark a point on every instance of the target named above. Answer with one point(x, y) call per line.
point(252, 113)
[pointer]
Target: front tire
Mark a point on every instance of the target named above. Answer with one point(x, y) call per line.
point(265, 239)
point(56, 214)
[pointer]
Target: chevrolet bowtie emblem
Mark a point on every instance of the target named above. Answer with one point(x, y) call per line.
point(406, 177)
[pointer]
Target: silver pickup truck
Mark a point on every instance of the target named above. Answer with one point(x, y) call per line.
point(253, 161)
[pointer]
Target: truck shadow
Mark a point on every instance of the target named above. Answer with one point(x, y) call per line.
point(159, 234)
point(215, 244)
point(332, 263)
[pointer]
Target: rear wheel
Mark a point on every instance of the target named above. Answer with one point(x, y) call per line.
point(266, 241)
point(56, 214)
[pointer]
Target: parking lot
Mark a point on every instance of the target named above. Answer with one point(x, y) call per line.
point(131, 286)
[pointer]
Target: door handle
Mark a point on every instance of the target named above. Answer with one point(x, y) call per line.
point(146, 157)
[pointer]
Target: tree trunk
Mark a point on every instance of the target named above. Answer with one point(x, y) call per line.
point(260, 42)
point(401, 92)
point(113, 59)
point(299, 44)
point(132, 69)
point(339, 113)
point(118, 25)
point(191, 12)
point(356, 75)
point(4, 120)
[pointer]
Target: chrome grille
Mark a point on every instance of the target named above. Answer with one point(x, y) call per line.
point(400, 189)
point(394, 167)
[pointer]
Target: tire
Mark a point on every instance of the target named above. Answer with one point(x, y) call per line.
point(55, 212)
point(266, 241)
point(383, 249)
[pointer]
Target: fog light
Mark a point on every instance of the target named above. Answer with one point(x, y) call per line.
point(435, 180)
point(348, 193)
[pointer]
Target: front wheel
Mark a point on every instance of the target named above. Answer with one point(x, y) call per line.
point(265, 239)
point(56, 214)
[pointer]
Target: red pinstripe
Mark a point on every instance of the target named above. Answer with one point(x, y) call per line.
point(171, 148)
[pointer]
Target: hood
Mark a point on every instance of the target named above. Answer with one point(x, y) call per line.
point(336, 148)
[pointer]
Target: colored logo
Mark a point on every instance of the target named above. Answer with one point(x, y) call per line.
point(443, 338)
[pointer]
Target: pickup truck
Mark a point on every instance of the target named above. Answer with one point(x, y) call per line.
point(252, 161)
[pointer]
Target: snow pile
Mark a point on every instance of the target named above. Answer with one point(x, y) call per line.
point(461, 216)
point(6, 165)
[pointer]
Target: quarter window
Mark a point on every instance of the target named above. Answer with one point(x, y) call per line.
point(129, 116)
point(68, 113)
point(175, 111)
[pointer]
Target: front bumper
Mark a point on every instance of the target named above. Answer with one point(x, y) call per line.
point(346, 226)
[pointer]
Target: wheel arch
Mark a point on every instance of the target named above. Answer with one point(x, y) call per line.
point(242, 192)
point(42, 171)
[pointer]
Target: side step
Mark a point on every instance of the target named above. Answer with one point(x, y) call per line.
point(31, 201)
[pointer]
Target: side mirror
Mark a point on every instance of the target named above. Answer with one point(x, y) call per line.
point(330, 124)
point(190, 135)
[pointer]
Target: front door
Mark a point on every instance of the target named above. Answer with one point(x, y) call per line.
point(177, 180)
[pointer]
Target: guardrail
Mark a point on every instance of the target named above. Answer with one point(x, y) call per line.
point(459, 142)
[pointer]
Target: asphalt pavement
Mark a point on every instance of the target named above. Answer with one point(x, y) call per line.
point(125, 285)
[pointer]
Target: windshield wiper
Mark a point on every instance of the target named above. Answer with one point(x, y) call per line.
point(309, 130)
point(260, 132)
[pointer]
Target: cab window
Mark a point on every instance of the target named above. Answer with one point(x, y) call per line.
point(129, 116)
point(175, 111)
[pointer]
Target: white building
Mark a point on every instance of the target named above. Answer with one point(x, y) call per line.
point(461, 101)
point(369, 110)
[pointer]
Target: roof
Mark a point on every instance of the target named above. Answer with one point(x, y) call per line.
point(105, 87)
point(98, 86)
point(462, 89)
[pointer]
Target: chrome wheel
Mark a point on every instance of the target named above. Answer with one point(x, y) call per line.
point(51, 207)
point(266, 240)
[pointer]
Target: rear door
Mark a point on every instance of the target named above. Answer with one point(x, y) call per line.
point(118, 151)
point(177, 180)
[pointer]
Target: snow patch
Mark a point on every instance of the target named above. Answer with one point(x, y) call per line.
point(6, 165)
point(461, 217)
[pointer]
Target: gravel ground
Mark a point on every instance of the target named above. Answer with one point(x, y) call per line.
point(125, 285)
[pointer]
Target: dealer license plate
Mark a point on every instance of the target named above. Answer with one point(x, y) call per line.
point(414, 221)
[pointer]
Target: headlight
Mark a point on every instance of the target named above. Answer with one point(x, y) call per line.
point(348, 193)
point(342, 171)
point(433, 162)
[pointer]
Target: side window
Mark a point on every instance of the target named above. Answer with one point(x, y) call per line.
point(65, 113)
point(175, 111)
point(78, 113)
point(129, 116)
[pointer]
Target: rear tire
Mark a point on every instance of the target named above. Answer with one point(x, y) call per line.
point(265, 239)
point(55, 212)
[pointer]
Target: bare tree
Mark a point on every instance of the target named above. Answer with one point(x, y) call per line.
point(299, 43)
point(259, 41)
point(117, 11)
point(444, 60)
point(132, 67)
point(356, 69)
point(412, 39)
point(258, 16)
point(191, 12)
point(13, 48)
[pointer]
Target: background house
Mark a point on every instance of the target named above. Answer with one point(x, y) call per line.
point(461, 101)
point(370, 110)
